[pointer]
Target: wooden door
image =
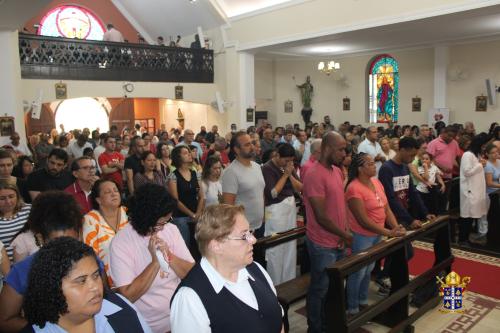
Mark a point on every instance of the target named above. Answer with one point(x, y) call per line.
point(45, 124)
point(122, 113)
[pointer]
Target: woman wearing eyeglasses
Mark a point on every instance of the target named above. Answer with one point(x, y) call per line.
point(226, 291)
point(368, 214)
point(149, 257)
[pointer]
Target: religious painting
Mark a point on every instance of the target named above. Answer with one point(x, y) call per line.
point(481, 103)
point(346, 104)
point(288, 106)
point(61, 91)
point(250, 115)
point(6, 126)
point(179, 92)
point(416, 104)
point(383, 88)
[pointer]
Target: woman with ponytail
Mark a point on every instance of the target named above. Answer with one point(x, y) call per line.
point(368, 215)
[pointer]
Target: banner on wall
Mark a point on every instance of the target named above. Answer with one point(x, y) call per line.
point(439, 114)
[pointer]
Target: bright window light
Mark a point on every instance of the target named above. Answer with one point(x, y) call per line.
point(78, 113)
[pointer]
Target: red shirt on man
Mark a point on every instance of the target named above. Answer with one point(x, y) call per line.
point(104, 159)
point(81, 197)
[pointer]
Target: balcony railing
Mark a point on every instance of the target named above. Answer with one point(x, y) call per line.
point(57, 58)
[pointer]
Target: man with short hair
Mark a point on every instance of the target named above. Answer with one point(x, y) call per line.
point(327, 233)
point(425, 133)
point(267, 142)
point(52, 177)
point(84, 172)
point(133, 161)
point(213, 134)
point(19, 147)
point(75, 150)
point(314, 155)
point(42, 150)
point(371, 147)
point(327, 124)
point(469, 129)
point(445, 151)
point(189, 140)
point(243, 183)
point(112, 35)
point(302, 146)
point(112, 162)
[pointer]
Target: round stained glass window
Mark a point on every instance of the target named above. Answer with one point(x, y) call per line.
point(71, 22)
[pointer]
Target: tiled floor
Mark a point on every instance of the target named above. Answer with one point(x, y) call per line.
point(481, 315)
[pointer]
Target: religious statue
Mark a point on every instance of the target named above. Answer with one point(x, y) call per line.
point(306, 92)
point(180, 118)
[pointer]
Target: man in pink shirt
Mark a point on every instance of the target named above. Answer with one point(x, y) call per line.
point(445, 150)
point(327, 234)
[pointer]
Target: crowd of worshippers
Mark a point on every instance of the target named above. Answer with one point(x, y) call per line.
point(134, 231)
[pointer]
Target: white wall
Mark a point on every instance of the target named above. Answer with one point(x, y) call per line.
point(416, 78)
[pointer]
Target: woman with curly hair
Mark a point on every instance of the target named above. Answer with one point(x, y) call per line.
point(66, 294)
point(149, 257)
point(108, 217)
point(53, 214)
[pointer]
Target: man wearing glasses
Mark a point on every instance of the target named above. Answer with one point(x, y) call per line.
point(84, 172)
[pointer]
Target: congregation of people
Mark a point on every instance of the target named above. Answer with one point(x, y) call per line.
point(132, 231)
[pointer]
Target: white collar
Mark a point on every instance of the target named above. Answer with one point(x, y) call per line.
point(218, 281)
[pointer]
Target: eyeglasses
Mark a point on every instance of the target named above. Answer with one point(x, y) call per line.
point(247, 236)
point(87, 168)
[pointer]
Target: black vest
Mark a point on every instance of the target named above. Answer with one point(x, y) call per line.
point(125, 320)
point(227, 313)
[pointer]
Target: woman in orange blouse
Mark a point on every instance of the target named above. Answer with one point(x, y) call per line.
point(109, 216)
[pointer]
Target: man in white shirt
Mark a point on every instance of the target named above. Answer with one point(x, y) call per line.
point(112, 35)
point(19, 147)
point(303, 146)
point(371, 147)
point(75, 150)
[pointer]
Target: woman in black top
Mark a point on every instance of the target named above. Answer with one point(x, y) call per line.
point(183, 186)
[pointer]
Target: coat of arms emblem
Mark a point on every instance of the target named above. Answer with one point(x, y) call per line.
point(452, 290)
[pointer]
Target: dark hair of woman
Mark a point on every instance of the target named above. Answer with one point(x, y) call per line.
point(145, 155)
point(159, 147)
point(53, 211)
point(495, 135)
point(477, 143)
point(191, 148)
point(96, 190)
point(176, 156)
point(18, 168)
point(358, 160)
point(44, 300)
point(208, 165)
point(493, 125)
point(147, 205)
point(349, 149)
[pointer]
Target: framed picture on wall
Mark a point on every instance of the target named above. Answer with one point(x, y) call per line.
point(61, 90)
point(416, 104)
point(346, 104)
point(288, 106)
point(481, 103)
point(179, 92)
point(6, 126)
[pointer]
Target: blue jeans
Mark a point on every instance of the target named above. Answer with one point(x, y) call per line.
point(358, 282)
point(321, 258)
point(182, 225)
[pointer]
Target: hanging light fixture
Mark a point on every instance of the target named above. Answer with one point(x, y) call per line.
point(328, 68)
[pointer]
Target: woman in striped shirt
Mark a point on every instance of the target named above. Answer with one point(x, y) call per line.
point(13, 214)
point(109, 216)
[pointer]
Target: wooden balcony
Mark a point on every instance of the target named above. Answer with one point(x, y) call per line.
point(57, 58)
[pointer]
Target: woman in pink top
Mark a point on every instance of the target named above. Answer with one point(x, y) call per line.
point(368, 213)
point(148, 258)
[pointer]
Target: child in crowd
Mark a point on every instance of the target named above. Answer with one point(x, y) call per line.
point(432, 189)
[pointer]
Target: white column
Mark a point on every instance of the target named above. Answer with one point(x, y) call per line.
point(10, 83)
point(247, 88)
point(441, 59)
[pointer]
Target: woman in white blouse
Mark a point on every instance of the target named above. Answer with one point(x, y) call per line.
point(473, 202)
point(210, 184)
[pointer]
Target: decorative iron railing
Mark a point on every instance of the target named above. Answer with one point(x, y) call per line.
point(45, 57)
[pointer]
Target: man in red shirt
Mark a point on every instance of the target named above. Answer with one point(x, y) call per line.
point(220, 145)
point(111, 162)
point(327, 232)
point(84, 172)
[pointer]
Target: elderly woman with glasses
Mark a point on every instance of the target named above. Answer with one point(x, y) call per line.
point(226, 291)
point(149, 257)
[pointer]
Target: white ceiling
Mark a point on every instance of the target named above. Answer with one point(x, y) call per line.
point(239, 7)
point(474, 25)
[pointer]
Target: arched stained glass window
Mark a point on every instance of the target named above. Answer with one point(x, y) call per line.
point(383, 89)
point(71, 22)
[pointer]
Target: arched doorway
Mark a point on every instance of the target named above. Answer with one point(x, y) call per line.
point(79, 113)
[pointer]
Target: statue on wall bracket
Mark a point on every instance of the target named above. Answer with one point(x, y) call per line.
point(306, 92)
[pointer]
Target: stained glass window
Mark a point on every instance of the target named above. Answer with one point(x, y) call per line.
point(383, 89)
point(71, 22)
